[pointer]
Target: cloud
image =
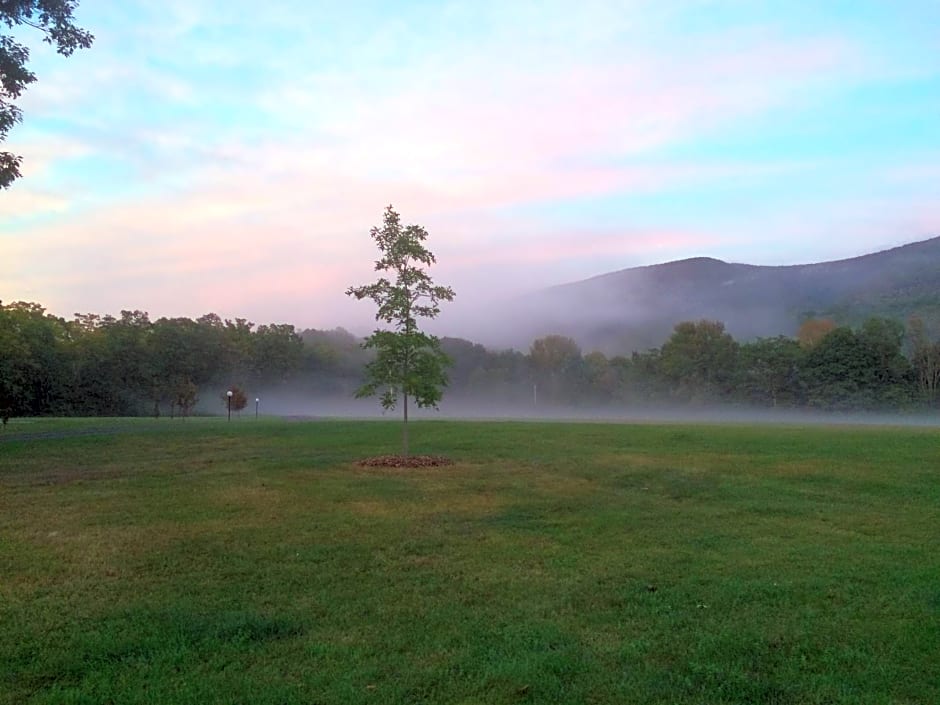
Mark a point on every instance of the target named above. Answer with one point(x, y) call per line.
point(211, 156)
point(921, 174)
point(470, 118)
point(24, 201)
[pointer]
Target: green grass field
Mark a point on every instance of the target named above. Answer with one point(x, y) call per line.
point(254, 562)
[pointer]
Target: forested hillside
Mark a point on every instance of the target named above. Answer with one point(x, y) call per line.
point(636, 309)
point(129, 365)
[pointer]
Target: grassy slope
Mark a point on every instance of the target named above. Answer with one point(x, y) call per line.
point(201, 562)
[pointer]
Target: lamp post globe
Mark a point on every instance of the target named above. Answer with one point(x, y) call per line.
point(229, 395)
point(257, 401)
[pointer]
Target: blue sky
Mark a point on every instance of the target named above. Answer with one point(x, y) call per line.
point(231, 156)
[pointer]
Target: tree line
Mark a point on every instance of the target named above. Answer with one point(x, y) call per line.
point(880, 365)
point(130, 365)
point(127, 366)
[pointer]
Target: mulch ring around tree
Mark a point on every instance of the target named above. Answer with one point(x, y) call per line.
point(400, 461)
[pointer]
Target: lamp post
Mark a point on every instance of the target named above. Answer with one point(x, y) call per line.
point(229, 395)
point(257, 401)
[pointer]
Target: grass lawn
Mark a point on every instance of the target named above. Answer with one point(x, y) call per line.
point(253, 562)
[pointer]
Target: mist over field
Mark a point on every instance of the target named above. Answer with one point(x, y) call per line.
point(456, 407)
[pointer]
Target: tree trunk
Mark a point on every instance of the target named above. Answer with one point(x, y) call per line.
point(407, 370)
point(404, 433)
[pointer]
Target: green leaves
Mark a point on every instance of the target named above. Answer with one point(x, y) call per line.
point(699, 359)
point(408, 362)
point(413, 294)
point(413, 365)
point(53, 18)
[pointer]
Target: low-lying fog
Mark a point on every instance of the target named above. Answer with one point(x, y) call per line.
point(289, 406)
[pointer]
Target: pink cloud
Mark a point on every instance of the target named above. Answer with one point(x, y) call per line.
point(286, 233)
point(277, 229)
point(471, 123)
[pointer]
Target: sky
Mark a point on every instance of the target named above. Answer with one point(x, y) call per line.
point(231, 156)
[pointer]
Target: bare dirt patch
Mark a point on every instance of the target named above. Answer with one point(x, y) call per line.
point(400, 461)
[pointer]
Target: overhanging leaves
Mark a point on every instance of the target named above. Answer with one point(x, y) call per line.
point(54, 20)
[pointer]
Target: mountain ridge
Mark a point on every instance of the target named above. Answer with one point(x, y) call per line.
point(636, 308)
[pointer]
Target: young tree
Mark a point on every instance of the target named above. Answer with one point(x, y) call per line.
point(54, 19)
point(408, 362)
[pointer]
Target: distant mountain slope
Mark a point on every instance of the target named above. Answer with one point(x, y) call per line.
point(634, 309)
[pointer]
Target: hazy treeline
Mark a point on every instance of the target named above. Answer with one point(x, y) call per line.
point(102, 365)
point(105, 366)
point(880, 365)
